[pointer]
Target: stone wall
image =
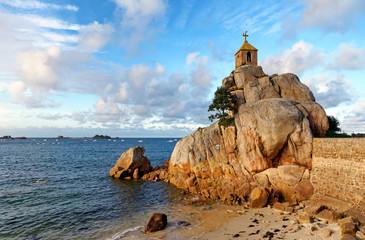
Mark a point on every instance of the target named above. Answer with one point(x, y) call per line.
point(338, 169)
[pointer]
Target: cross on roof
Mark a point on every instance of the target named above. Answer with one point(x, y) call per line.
point(245, 35)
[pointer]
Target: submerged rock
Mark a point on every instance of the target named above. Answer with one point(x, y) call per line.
point(157, 222)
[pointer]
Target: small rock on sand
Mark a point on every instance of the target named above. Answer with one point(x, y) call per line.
point(157, 222)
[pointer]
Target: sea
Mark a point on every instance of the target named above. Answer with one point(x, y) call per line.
point(61, 189)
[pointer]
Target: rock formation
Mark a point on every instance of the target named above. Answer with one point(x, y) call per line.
point(270, 145)
point(131, 164)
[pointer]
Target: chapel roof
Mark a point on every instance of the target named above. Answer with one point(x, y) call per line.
point(247, 46)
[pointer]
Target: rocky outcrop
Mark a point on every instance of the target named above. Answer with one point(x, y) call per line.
point(269, 146)
point(131, 164)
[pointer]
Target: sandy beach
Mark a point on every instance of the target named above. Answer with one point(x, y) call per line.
point(235, 222)
point(267, 223)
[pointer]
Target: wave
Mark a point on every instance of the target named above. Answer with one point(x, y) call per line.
point(125, 232)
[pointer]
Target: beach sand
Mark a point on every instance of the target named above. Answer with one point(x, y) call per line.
point(235, 222)
point(219, 221)
point(267, 223)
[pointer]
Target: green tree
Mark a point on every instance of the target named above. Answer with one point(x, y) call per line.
point(333, 124)
point(222, 102)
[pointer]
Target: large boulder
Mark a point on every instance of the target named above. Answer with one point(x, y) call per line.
point(247, 73)
point(289, 86)
point(270, 144)
point(131, 163)
point(316, 115)
point(272, 132)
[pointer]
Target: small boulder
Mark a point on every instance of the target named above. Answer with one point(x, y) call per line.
point(360, 235)
point(348, 237)
point(258, 197)
point(357, 214)
point(228, 82)
point(136, 174)
point(304, 218)
point(157, 222)
point(284, 207)
point(327, 214)
point(314, 209)
point(348, 228)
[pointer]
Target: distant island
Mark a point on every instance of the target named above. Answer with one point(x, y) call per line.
point(10, 137)
point(95, 137)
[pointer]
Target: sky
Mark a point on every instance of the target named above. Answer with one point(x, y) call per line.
point(149, 68)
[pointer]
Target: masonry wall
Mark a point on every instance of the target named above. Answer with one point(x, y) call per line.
point(338, 168)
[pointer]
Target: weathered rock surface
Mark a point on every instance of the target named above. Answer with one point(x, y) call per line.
point(157, 222)
point(270, 145)
point(258, 197)
point(131, 164)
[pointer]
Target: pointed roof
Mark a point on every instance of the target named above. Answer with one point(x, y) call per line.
point(247, 46)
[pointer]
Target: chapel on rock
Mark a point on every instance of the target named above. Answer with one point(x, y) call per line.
point(247, 54)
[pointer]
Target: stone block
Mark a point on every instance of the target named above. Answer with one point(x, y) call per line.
point(304, 218)
point(314, 209)
point(329, 215)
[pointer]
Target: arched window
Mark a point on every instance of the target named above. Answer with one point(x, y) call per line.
point(249, 57)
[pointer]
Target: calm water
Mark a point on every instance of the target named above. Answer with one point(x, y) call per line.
point(61, 189)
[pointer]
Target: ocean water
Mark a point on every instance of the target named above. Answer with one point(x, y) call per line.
point(61, 189)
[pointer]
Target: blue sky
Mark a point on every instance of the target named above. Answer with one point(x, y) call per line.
point(149, 68)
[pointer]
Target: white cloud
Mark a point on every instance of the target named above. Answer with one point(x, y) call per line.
point(20, 94)
point(141, 20)
point(33, 4)
point(94, 36)
point(107, 111)
point(191, 58)
point(331, 15)
point(348, 57)
point(37, 68)
point(139, 74)
point(298, 59)
point(52, 23)
point(353, 120)
point(137, 12)
point(329, 92)
point(52, 117)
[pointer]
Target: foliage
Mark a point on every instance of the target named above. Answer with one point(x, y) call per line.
point(222, 102)
point(227, 122)
point(333, 124)
point(331, 134)
point(357, 135)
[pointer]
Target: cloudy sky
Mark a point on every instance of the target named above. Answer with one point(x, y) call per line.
point(149, 68)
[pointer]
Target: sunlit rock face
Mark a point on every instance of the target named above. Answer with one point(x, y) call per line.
point(276, 118)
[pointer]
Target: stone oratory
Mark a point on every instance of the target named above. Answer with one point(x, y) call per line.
point(247, 54)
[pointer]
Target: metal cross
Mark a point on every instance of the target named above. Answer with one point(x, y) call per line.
point(245, 35)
